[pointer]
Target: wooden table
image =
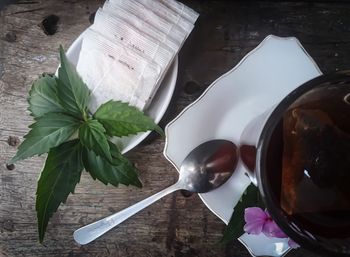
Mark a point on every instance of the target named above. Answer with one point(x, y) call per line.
point(176, 226)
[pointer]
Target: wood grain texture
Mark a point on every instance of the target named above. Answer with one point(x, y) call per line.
point(175, 226)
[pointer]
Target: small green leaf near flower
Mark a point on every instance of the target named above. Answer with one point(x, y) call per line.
point(234, 229)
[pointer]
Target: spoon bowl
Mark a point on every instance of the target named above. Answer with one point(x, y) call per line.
point(205, 168)
point(208, 166)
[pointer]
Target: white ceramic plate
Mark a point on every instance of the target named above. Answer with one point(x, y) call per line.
point(157, 107)
point(259, 81)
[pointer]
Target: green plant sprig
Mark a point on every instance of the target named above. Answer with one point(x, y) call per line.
point(59, 106)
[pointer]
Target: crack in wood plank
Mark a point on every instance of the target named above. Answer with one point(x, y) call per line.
point(27, 11)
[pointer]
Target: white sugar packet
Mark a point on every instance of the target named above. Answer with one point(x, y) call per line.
point(170, 35)
point(165, 12)
point(161, 11)
point(116, 29)
point(116, 72)
point(171, 9)
point(182, 9)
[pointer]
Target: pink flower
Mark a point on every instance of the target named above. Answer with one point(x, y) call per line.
point(258, 220)
point(293, 244)
point(255, 219)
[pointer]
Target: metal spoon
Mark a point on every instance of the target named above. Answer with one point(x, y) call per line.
point(205, 168)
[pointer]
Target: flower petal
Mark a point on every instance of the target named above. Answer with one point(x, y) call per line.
point(255, 219)
point(271, 229)
point(293, 244)
point(254, 228)
point(254, 213)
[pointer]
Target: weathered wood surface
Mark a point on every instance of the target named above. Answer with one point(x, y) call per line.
point(175, 226)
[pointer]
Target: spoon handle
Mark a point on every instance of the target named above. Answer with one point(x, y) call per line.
point(94, 230)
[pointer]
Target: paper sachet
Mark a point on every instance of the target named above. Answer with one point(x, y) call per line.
point(173, 9)
point(117, 30)
point(165, 13)
point(148, 16)
point(172, 36)
point(130, 46)
point(182, 9)
point(114, 71)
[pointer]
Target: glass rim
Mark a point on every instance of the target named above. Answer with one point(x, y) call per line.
point(274, 118)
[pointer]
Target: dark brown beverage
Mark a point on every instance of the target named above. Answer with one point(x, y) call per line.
point(308, 165)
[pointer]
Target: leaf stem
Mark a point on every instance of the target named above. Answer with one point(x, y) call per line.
point(85, 116)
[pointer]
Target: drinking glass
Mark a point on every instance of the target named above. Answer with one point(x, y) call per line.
point(298, 154)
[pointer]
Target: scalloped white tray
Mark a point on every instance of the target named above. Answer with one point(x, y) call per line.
point(259, 81)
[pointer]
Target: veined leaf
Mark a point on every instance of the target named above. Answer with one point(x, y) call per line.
point(235, 226)
point(72, 92)
point(92, 136)
point(127, 169)
point(48, 131)
point(121, 119)
point(122, 171)
point(43, 97)
point(58, 179)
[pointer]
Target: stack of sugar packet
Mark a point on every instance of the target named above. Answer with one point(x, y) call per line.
point(127, 51)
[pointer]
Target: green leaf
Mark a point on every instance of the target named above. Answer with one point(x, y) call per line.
point(92, 135)
point(121, 119)
point(235, 226)
point(42, 97)
point(48, 131)
point(72, 92)
point(58, 179)
point(125, 167)
point(121, 171)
